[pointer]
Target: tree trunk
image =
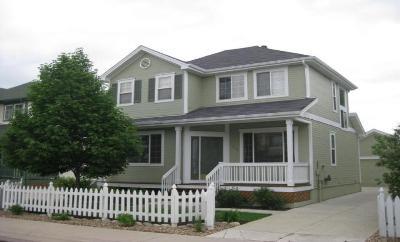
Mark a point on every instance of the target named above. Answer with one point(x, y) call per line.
point(77, 179)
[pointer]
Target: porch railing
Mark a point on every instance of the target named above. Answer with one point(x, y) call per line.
point(169, 179)
point(256, 173)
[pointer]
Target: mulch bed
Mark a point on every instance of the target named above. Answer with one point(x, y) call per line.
point(187, 229)
point(376, 238)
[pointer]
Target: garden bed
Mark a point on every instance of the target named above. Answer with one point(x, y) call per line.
point(187, 229)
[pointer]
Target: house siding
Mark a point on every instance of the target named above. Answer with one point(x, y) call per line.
point(345, 177)
point(366, 144)
point(150, 174)
point(195, 94)
point(296, 82)
point(146, 109)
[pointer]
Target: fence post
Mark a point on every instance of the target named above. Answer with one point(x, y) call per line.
point(382, 213)
point(5, 195)
point(210, 206)
point(174, 206)
point(104, 209)
point(50, 199)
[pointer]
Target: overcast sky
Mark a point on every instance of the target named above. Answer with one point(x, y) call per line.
point(359, 38)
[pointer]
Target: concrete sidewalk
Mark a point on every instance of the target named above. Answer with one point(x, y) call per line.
point(18, 230)
point(348, 218)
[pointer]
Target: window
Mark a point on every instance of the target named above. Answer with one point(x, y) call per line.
point(270, 83)
point(11, 109)
point(266, 146)
point(165, 88)
point(334, 98)
point(125, 92)
point(343, 108)
point(232, 88)
point(332, 140)
point(152, 150)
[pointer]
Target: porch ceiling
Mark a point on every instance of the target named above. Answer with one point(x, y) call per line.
point(233, 112)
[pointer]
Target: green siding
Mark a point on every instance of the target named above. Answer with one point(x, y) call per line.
point(346, 171)
point(320, 87)
point(366, 144)
point(206, 96)
point(371, 173)
point(150, 174)
point(145, 108)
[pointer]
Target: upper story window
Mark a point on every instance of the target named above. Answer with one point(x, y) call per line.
point(332, 141)
point(343, 108)
point(125, 92)
point(270, 83)
point(164, 88)
point(11, 109)
point(232, 87)
point(334, 97)
point(152, 150)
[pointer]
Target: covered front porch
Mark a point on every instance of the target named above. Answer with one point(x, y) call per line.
point(276, 153)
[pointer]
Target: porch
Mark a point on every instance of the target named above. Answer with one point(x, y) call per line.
point(276, 153)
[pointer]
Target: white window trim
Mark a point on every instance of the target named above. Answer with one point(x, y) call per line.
point(285, 69)
point(271, 130)
point(231, 99)
point(334, 97)
point(131, 80)
point(331, 148)
point(157, 77)
point(162, 132)
point(344, 108)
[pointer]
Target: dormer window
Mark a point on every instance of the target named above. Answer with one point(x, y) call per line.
point(125, 92)
point(231, 87)
point(165, 87)
point(270, 83)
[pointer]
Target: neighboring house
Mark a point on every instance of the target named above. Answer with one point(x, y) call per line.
point(243, 118)
point(371, 174)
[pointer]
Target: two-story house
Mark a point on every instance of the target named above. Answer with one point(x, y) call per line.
point(242, 118)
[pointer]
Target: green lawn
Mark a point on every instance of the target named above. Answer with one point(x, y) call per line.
point(241, 217)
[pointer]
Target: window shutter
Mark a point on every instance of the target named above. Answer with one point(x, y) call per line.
point(152, 83)
point(138, 91)
point(178, 87)
point(114, 92)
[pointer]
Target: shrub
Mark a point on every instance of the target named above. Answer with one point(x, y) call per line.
point(230, 199)
point(69, 182)
point(230, 216)
point(60, 216)
point(268, 199)
point(16, 209)
point(198, 225)
point(126, 220)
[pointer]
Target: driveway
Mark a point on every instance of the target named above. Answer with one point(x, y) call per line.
point(348, 218)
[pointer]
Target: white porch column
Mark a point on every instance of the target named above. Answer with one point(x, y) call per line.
point(178, 153)
point(289, 135)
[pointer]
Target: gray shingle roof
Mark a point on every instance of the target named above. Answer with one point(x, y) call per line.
point(243, 56)
point(15, 93)
point(233, 110)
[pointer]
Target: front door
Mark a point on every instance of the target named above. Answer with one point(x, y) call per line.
point(206, 152)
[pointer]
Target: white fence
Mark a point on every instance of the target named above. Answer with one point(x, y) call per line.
point(160, 207)
point(388, 215)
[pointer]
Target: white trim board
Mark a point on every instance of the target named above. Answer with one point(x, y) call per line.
point(370, 157)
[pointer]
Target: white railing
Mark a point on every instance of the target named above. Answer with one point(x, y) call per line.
point(388, 215)
point(256, 173)
point(158, 207)
point(168, 179)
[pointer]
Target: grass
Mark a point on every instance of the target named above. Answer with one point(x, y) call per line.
point(243, 217)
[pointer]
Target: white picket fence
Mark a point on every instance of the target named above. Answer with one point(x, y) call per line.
point(388, 215)
point(160, 207)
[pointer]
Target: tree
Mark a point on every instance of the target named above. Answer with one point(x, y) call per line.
point(72, 124)
point(388, 149)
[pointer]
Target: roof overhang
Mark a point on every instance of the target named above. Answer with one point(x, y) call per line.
point(355, 117)
point(375, 131)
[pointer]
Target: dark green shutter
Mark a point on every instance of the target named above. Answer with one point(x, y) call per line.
point(138, 91)
point(152, 84)
point(114, 92)
point(178, 87)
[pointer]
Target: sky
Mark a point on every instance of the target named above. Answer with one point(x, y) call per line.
point(358, 38)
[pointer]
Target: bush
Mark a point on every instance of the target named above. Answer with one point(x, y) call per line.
point(126, 220)
point(198, 225)
point(69, 182)
point(60, 216)
point(230, 216)
point(268, 199)
point(16, 209)
point(230, 199)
